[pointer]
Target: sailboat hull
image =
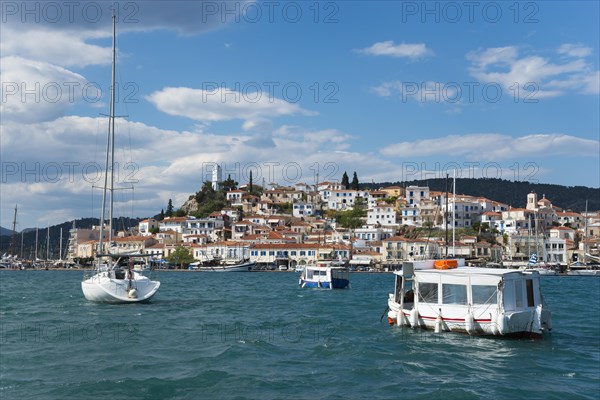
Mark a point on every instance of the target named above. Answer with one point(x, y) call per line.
point(104, 288)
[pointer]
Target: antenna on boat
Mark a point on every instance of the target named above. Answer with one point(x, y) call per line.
point(446, 219)
point(454, 215)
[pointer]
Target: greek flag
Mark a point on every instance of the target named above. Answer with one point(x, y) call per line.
point(533, 260)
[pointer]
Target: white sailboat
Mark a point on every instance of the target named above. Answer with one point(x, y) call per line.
point(115, 282)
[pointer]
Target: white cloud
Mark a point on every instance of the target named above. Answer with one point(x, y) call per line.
point(258, 125)
point(60, 47)
point(402, 50)
point(574, 50)
point(496, 55)
point(492, 146)
point(535, 76)
point(222, 104)
point(34, 91)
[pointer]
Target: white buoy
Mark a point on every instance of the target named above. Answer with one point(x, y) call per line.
point(400, 318)
point(414, 318)
point(438, 323)
point(502, 324)
point(494, 323)
point(132, 293)
point(549, 323)
point(469, 323)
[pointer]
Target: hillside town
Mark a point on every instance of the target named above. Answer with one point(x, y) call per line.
point(304, 224)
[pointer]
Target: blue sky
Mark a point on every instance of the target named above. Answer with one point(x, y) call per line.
point(391, 90)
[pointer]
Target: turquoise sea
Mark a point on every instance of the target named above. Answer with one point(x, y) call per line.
point(259, 336)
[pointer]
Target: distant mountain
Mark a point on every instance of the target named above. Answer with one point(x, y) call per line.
point(513, 193)
point(5, 232)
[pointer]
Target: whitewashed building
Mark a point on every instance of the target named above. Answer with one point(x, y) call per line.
point(302, 209)
point(382, 215)
point(146, 226)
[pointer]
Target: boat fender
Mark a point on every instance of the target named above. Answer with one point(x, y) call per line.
point(502, 324)
point(414, 318)
point(438, 323)
point(391, 317)
point(132, 293)
point(494, 323)
point(469, 323)
point(400, 318)
point(549, 323)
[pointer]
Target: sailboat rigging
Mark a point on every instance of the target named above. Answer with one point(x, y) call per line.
point(114, 282)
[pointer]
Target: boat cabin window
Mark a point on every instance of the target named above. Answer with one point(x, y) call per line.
point(484, 294)
point(119, 274)
point(454, 294)
point(428, 292)
point(529, 286)
point(518, 294)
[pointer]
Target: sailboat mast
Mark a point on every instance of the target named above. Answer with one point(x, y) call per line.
point(529, 237)
point(585, 246)
point(109, 165)
point(14, 234)
point(537, 239)
point(48, 242)
point(36, 242)
point(112, 126)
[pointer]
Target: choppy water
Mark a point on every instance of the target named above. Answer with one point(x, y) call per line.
point(259, 336)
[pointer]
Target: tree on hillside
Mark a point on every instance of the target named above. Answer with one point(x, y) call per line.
point(205, 192)
point(250, 188)
point(228, 184)
point(353, 218)
point(209, 200)
point(354, 184)
point(345, 181)
point(169, 212)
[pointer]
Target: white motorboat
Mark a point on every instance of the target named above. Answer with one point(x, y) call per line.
point(326, 277)
point(582, 269)
point(444, 296)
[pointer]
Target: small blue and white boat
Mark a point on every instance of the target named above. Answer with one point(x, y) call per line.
point(326, 277)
